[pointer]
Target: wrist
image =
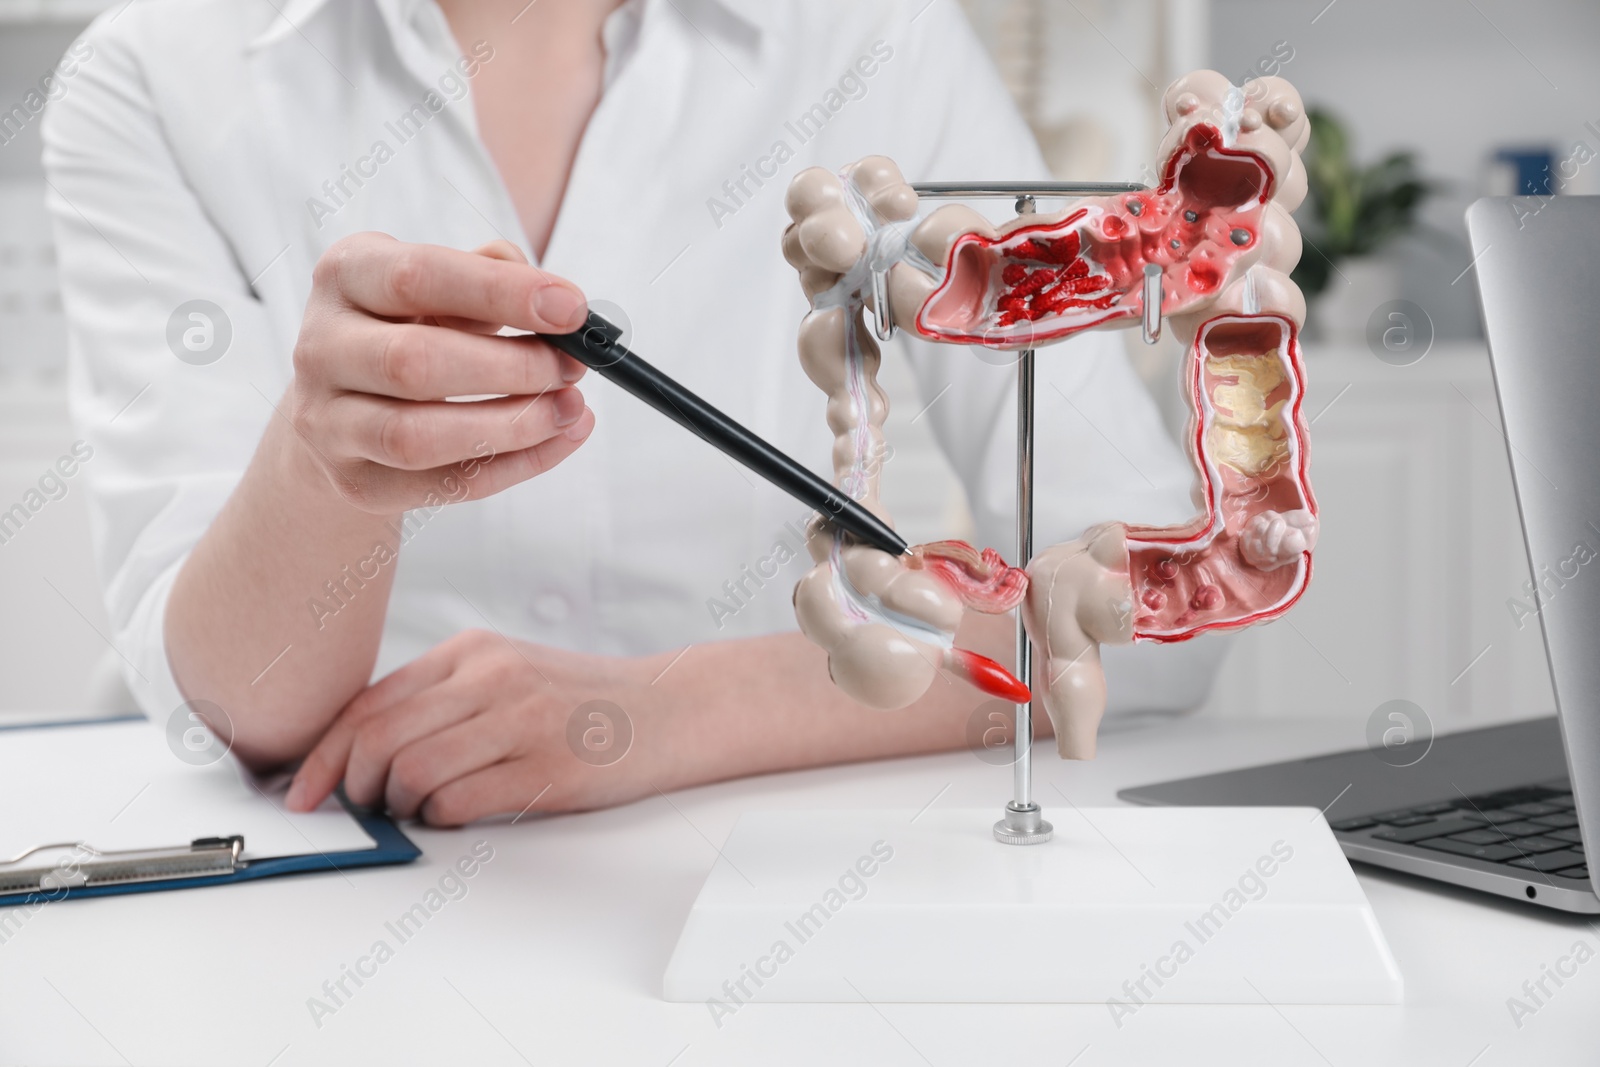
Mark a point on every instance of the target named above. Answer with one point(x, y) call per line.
point(670, 707)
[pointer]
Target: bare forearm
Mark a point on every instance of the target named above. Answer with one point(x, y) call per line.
point(244, 628)
point(766, 704)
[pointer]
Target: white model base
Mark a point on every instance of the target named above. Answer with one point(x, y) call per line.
point(1124, 906)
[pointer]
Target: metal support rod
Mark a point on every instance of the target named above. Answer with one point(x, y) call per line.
point(1023, 822)
point(1022, 769)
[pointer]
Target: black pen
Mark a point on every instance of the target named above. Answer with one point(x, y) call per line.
point(597, 345)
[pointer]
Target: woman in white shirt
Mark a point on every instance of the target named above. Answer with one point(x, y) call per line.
point(286, 237)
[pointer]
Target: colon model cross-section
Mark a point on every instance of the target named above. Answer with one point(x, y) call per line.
point(1218, 227)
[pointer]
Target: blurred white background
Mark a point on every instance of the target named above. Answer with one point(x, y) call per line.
point(1420, 552)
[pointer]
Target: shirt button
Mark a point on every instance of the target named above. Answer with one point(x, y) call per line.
point(552, 607)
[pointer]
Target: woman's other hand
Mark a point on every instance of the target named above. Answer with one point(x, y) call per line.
point(483, 725)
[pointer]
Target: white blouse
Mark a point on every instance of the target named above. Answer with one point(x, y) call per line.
point(206, 152)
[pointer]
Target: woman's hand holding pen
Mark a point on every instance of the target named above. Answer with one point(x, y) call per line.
point(393, 329)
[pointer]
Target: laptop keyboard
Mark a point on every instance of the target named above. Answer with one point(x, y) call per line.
point(1533, 828)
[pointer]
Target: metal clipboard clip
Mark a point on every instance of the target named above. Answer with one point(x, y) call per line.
point(83, 865)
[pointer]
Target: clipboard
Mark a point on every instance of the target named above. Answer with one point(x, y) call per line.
point(204, 820)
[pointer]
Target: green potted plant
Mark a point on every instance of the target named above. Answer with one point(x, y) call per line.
point(1351, 213)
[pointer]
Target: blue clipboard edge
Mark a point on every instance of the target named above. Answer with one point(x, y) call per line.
point(391, 847)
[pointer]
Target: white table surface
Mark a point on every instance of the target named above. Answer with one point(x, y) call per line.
point(556, 952)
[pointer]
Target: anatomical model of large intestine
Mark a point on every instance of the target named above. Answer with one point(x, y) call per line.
point(1218, 227)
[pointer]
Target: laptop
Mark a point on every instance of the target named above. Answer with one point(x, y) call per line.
point(1510, 809)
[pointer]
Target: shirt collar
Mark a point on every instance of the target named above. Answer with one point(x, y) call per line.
point(752, 14)
point(287, 18)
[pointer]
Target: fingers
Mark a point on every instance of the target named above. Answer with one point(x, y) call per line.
point(396, 280)
point(503, 250)
point(511, 786)
point(452, 737)
point(384, 489)
point(416, 361)
point(422, 435)
point(437, 759)
point(382, 736)
point(395, 330)
point(497, 249)
point(323, 768)
point(510, 468)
